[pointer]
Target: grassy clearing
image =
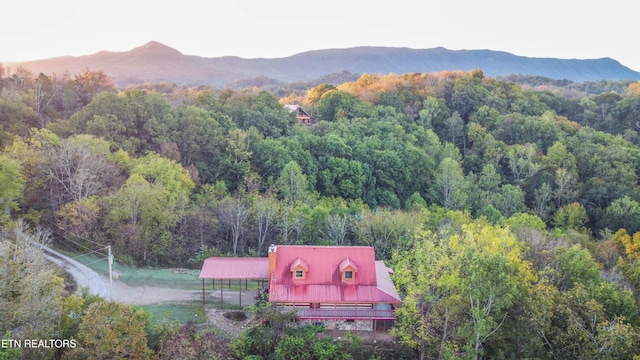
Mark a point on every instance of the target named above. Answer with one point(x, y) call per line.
point(182, 313)
point(185, 312)
point(131, 275)
point(158, 277)
point(186, 279)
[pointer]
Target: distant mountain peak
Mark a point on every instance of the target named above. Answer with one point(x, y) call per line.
point(155, 48)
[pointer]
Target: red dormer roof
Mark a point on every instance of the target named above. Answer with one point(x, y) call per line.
point(323, 282)
point(299, 264)
point(347, 263)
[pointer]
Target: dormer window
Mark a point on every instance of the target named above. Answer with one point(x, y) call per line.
point(299, 269)
point(348, 271)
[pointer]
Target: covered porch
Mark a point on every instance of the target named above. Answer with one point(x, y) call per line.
point(340, 311)
point(344, 314)
point(361, 317)
point(232, 269)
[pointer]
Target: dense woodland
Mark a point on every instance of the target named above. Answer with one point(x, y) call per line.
point(508, 208)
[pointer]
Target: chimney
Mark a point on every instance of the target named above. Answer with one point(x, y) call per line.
point(272, 263)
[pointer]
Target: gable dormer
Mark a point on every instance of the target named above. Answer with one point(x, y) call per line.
point(299, 269)
point(348, 271)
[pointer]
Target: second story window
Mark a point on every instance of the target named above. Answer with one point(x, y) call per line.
point(348, 270)
point(299, 269)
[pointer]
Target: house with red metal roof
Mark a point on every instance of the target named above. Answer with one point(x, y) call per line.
point(337, 284)
point(341, 286)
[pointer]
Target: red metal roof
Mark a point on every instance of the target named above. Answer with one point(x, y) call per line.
point(385, 284)
point(252, 268)
point(323, 282)
point(348, 294)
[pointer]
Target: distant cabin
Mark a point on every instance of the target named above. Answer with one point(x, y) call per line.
point(301, 115)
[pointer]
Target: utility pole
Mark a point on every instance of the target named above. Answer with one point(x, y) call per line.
point(110, 259)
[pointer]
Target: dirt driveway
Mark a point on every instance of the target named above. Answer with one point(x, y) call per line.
point(99, 285)
point(146, 295)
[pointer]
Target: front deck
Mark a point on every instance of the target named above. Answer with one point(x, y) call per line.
point(339, 314)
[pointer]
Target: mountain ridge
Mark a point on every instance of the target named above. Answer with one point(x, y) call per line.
point(155, 62)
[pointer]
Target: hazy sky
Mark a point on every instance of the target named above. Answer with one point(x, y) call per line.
point(38, 29)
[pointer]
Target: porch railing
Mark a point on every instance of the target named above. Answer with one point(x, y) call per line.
point(345, 314)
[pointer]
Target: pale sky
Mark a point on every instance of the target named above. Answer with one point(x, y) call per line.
point(39, 29)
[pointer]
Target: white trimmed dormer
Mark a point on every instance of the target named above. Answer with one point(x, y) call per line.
point(348, 271)
point(299, 269)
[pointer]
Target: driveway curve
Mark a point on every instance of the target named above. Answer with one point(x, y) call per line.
point(98, 284)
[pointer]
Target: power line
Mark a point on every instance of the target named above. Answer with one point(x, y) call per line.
point(72, 233)
point(109, 256)
point(81, 255)
point(95, 261)
point(63, 238)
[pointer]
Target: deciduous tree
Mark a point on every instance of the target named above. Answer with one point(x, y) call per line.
point(292, 184)
point(112, 330)
point(385, 230)
point(264, 210)
point(460, 288)
point(623, 213)
point(44, 93)
point(449, 186)
point(522, 162)
point(89, 83)
point(11, 184)
point(140, 218)
point(31, 293)
point(233, 213)
point(572, 216)
point(78, 168)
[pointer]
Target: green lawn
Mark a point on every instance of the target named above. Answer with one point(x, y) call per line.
point(181, 313)
point(170, 278)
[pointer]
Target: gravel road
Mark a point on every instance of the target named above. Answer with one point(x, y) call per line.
point(135, 295)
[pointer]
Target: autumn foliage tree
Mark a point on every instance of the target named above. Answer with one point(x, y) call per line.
point(461, 287)
point(112, 330)
point(31, 291)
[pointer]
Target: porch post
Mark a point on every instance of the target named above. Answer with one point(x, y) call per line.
point(221, 304)
point(202, 292)
point(375, 323)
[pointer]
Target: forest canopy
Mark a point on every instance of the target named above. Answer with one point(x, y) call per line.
point(518, 189)
point(77, 150)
